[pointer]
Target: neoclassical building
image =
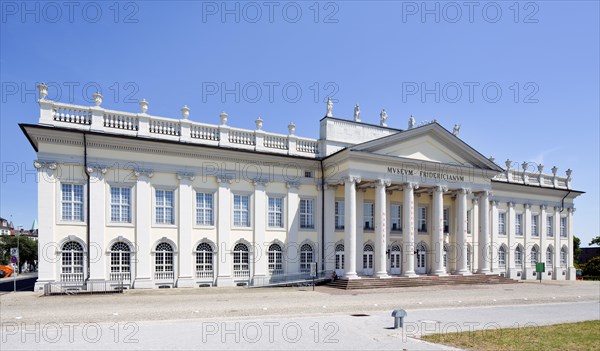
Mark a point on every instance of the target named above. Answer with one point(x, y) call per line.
point(153, 202)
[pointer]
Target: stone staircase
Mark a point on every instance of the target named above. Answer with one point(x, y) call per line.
point(403, 282)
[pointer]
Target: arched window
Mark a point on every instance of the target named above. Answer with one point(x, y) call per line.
point(502, 256)
point(339, 256)
point(120, 261)
point(241, 261)
point(306, 257)
point(368, 259)
point(275, 259)
point(534, 256)
point(519, 256)
point(163, 263)
point(563, 256)
point(395, 259)
point(204, 261)
point(72, 262)
point(549, 257)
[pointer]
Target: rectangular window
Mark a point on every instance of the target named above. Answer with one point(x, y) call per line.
point(422, 220)
point(306, 214)
point(339, 214)
point(396, 217)
point(275, 212)
point(72, 202)
point(550, 226)
point(469, 220)
point(519, 224)
point(241, 210)
point(165, 207)
point(446, 215)
point(120, 205)
point(502, 223)
point(535, 219)
point(204, 209)
point(563, 227)
point(368, 212)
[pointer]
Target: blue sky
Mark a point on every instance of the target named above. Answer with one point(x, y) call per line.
point(522, 80)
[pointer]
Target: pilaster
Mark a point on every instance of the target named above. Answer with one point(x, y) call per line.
point(186, 217)
point(46, 209)
point(143, 223)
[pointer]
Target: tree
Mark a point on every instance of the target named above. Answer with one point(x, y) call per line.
point(576, 251)
point(592, 268)
point(595, 241)
point(28, 249)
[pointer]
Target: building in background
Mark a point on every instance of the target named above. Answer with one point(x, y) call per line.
point(155, 201)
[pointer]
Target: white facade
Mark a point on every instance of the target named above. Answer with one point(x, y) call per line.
point(171, 202)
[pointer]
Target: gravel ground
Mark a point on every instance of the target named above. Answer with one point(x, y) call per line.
point(231, 303)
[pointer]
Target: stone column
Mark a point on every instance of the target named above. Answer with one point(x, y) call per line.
point(329, 219)
point(558, 269)
point(223, 227)
point(143, 223)
point(350, 228)
point(360, 231)
point(484, 231)
point(97, 205)
point(47, 247)
point(408, 230)
point(184, 230)
point(475, 235)
point(461, 232)
point(494, 245)
point(293, 248)
point(543, 240)
point(512, 245)
point(571, 269)
point(259, 252)
point(381, 228)
point(528, 245)
point(437, 239)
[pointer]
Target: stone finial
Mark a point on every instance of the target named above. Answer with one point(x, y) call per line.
point(329, 108)
point(411, 122)
point(97, 98)
point(492, 159)
point(42, 91)
point(224, 116)
point(259, 123)
point(383, 116)
point(144, 106)
point(185, 112)
point(455, 130)
point(524, 165)
point(508, 163)
point(554, 170)
point(356, 113)
point(291, 128)
point(569, 172)
point(540, 168)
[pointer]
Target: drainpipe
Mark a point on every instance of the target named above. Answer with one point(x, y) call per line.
point(322, 217)
point(87, 212)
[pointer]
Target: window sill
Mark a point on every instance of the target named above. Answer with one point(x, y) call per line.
point(203, 226)
point(160, 225)
point(307, 229)
point(78, 223)
point(121, 225)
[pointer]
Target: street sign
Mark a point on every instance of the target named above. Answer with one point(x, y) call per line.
point(313, 269)
point(14, 251)
point(13, 259)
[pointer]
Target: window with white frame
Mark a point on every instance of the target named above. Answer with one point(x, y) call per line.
point(519, 224)
point(446, 217)
point(204, 260)
point(306, 258)
point(307, 220)
point(550, 226)
point(422, 219)
point(163, 262)
point(164, 206)
point(563, 257)
point(396, 217)
point(339, 256)
point(469, 220)
point(241, 210)
point(502, 256)
point(518, 256)
point(275, 212)
point(368, 215)
point(339, 214)
point(275, 256)
point(72, 202)
point(72, 261)
point(204, 208)
point(534, 256)
point(549, 257)
point(120, 266)
point(535, 221)
point(563, 227)
point(120, 204)
point(502, 223)
point(241, 261)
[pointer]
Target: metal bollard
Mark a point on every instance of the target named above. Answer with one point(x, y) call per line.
point(398, 318)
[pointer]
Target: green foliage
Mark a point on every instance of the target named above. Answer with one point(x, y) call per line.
point(576, 251)
point(28, 249)
point(592, 268)
point(595, 241)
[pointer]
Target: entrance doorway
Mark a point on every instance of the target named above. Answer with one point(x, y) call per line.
point(368, 259)
point(421, 258)
point(395, 260)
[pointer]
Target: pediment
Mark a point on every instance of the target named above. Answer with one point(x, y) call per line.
point(431, 143)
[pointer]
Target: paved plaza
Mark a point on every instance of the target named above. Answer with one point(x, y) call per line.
point(284, 318)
